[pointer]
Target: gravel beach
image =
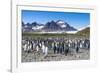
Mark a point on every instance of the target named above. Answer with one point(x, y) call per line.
point(83, 54)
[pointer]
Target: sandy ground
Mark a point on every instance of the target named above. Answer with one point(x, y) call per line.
point(83, 54)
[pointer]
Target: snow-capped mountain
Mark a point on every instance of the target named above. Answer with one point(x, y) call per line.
point(39, 27)
point(31, 27)
point(85, 31)
point(83, 28)
point(58, 26)
point(61, 23)
point(52, 26)
point(65, 26)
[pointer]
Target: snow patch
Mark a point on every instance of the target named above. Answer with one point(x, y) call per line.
point(60, 22)
point(37, 27)
point(83, 28)
point(63, 26)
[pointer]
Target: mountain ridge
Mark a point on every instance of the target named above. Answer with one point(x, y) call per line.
point(51, 26)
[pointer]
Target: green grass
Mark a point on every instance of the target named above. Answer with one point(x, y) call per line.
point(46, 35)
point(85, 32)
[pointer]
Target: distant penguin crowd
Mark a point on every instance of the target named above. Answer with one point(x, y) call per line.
point(57, 45)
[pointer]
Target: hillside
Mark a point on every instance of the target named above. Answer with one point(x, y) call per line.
point(85, 32)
